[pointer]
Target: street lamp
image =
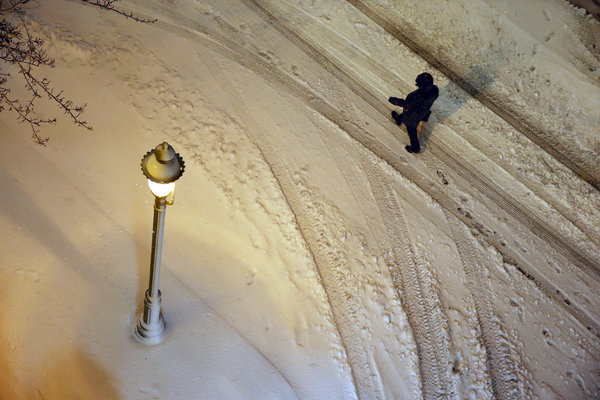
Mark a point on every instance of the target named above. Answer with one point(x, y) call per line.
point(162, 166)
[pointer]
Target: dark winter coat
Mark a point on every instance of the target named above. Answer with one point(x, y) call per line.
point(417, 104)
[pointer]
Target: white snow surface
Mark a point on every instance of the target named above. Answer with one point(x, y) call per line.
point(307, 255)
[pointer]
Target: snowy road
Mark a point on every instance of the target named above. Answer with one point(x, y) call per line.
point(470, 270)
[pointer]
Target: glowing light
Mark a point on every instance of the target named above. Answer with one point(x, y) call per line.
point(161, 189)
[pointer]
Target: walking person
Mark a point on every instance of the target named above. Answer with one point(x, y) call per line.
point(416, 108)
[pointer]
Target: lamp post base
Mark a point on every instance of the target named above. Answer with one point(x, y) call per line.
point(150, 328)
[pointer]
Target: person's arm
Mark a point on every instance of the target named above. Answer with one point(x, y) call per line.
point(397, 101)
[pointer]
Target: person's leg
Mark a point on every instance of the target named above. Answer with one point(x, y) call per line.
point(415, 146)
point(397, 117)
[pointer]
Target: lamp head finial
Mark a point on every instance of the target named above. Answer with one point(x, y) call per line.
point(162, 164)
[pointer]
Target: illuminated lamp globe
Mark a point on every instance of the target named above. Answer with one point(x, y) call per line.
point(162, 166)
point(161, 189)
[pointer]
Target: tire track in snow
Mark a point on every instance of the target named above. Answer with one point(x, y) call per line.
point(500, 363)
point(580, 167)
point(538, 226)
point(415, 286)
point(329, 260)
point(322, 236)
point(355, 178)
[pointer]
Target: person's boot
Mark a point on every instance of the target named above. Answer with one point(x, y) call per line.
point(397, 117)
point(411, 149)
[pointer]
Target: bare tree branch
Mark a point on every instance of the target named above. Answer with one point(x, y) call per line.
point(25, 52)
point(108, 5)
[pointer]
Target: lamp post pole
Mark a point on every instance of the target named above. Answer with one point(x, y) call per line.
point(162, 166)
point(158, 228)
point(150, 328)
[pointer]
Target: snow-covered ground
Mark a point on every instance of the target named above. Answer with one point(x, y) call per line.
point(307, 255)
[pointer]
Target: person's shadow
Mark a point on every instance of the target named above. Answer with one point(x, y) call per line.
point(452, 96)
